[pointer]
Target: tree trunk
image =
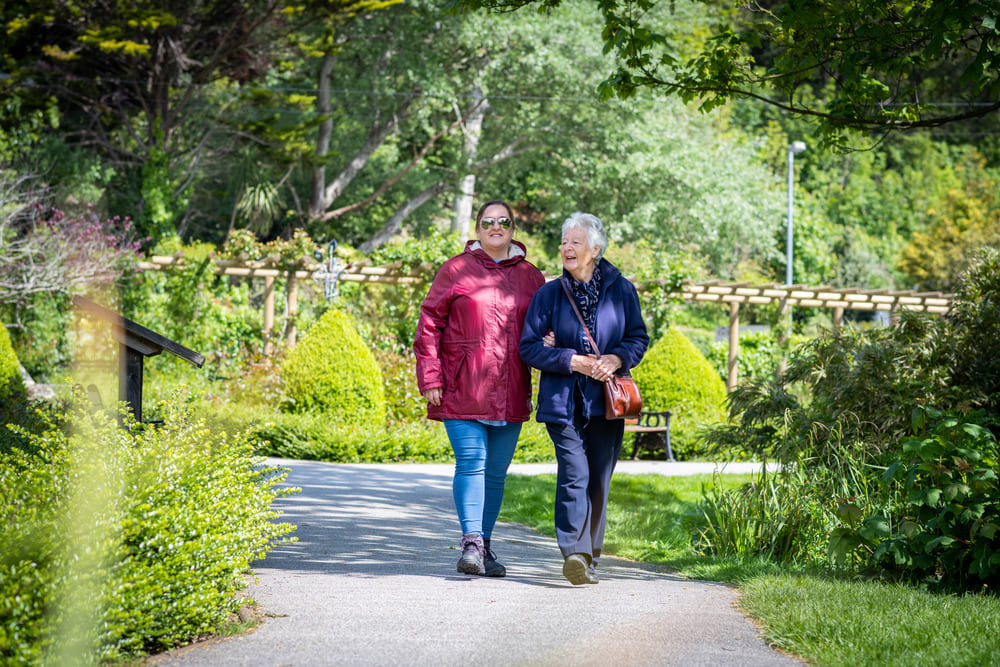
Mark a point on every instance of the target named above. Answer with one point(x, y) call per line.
point(473, 130)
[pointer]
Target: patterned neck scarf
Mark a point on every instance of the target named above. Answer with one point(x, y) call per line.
point(586, 295)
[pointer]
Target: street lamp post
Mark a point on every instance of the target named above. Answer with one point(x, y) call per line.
point(793, 148)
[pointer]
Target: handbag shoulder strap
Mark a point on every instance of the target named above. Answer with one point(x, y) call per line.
point(572, 302)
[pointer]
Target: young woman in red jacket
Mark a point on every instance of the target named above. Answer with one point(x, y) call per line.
point(470, 371)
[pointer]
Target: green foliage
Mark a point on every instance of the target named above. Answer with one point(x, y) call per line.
point(314, 437)
point(771, 516)
point(43, 341)
point(191, 305)
point(332, 371)
point(402, 395)
point(657, 272)
point(942, 525)
point(793, 54)
point(162, 203)
point(296, 251)
point(964, 221)
point(112, 542)
point(909, 497)
point(11, 384)
point(675, 376)
point(760, 354)
point(972, 350)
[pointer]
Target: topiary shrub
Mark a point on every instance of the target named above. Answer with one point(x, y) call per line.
point(332, 371)
point(11, 383)
point(675, 376)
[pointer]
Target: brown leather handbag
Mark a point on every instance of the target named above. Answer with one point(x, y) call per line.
point(621, 394)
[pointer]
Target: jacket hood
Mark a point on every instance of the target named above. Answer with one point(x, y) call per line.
point(515, 252)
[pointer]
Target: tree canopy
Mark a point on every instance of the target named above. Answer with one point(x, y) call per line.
point(870, 64)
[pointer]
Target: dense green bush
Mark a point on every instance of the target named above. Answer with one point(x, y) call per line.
point(11, 383)
point(972, 351)
point(675, 376)
point(913, 497)
point(943, 500)
point(118, 541)
point(332, 371)
point(402, 395)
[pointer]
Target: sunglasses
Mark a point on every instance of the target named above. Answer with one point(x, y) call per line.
point(488, 222)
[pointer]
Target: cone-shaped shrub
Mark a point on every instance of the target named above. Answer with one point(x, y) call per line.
point(674, 375)
point(332, 371)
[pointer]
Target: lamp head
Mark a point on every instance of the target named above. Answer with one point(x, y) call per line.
point(797, 146)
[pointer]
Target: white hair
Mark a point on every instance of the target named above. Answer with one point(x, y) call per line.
point(596, 236)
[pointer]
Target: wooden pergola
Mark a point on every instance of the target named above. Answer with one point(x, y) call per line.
point(838, 299)
point(730, 294)
point(305, 268)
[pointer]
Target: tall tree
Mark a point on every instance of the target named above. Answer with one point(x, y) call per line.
point(145, 81)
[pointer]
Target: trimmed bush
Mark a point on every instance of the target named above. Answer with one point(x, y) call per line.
point(11, 383)
point(675, 376)
point(402, 395)
point(332, 371)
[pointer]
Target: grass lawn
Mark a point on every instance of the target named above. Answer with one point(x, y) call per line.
point(823, 617)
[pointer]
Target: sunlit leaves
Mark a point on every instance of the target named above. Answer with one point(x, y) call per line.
point(885, 58)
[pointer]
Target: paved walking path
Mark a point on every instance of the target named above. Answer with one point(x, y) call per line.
point(372, 581)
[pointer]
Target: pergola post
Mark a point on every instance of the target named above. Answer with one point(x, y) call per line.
point(732, 372)
point(268, 315)
point(838, 318)
point(293, 310)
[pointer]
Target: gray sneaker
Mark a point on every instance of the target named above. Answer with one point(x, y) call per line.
point(471, 561)
point(493, 567)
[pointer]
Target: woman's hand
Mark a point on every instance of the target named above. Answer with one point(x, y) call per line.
point(433, 395)
point(600, 368)
point(549, 339)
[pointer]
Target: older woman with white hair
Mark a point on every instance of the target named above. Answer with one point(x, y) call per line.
point(570, 391)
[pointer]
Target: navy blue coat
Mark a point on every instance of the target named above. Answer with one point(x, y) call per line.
point(620, 330)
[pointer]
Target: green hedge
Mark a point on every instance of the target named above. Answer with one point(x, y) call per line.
point(316, 438)
point(675, 376)
point(117, 542)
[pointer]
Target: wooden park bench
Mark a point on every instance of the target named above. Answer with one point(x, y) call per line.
point(652, 431)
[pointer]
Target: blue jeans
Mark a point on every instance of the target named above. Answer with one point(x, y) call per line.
point(482, 456)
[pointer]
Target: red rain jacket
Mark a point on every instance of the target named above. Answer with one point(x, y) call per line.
point(468, 335)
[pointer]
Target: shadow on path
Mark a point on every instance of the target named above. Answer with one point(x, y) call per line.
point(372, 581)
